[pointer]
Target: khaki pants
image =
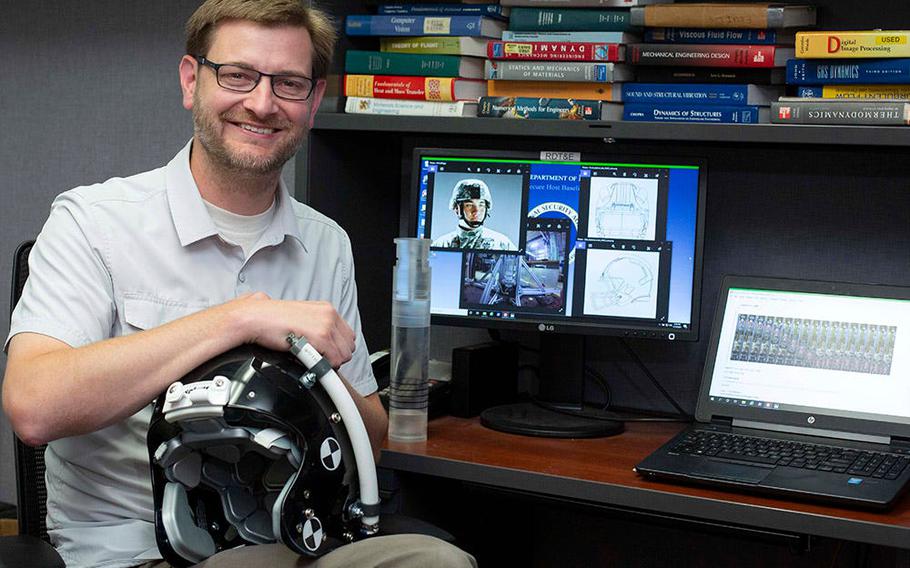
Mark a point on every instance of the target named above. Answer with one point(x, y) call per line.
point(395, 551)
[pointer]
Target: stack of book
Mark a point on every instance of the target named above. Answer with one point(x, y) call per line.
point(429, 62)
point(848, 77)
point(713, 63)
point(564, 62)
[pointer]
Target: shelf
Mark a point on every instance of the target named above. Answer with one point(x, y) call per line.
point(748, 133)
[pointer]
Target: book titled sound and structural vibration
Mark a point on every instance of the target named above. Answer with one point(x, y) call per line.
point(709, 55)
point(415, 88)
point(405, 25)
point(851, 72)
point(557, 71)
point(750, 15)
point(556, 51)
point(858, 44)
point(404, 107)
point(795, 110)
point(527, 107)
point(683, 112)
point(705, 94)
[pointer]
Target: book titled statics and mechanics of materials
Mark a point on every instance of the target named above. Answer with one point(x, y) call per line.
point(557, 89)
point(754, 15)
point(703, 55)
point(862, 44)
point(705, 94)
point(490, 10)
point(568, 19)
point(415, 88)
point(405, 25)
point(743, 75)
point(404, 107)
point(795, 110)
point(557, 71)
point(428, 65)
point(587, 37)
point(527, 107)
point(849, 72)
point(855, 91)
point(694, 113)
point(556, 51)
point(462, 45)
point(719, 36)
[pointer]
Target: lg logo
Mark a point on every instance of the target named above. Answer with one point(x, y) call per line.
point(545, 327)
point(811, 420)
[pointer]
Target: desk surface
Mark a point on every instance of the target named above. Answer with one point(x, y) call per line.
point(599, 471)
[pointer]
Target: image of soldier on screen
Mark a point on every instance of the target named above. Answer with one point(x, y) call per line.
point(472, 203)
point(534, 282)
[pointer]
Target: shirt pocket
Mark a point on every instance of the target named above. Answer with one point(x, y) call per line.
point(148, 312)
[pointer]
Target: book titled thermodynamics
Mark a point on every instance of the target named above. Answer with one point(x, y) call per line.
point(795, 110)
point(704, 55)
point(860, 44)
point(526, 107)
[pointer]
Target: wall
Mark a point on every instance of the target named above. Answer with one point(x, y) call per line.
point(89, 90)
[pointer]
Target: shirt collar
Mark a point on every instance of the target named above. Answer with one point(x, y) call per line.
point(193, 222)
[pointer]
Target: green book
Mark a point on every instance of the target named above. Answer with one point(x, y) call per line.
point(568, 19)
point(420, 64)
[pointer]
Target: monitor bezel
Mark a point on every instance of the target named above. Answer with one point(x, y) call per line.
point(408, 225)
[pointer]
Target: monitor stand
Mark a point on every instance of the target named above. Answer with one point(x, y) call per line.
point(562, 382)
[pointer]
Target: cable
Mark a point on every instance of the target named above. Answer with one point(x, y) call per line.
point(604, 417)
point(654, 381)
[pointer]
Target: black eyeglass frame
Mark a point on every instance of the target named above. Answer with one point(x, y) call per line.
point(202, 60)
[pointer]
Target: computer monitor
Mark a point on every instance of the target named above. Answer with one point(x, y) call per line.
point(566, 243)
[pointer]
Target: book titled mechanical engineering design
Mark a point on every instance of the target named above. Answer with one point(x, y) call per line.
point(527, 107)
point(861, 44)
point(852, 72)
point(704, 55)
point(557, 71)
point(682, 112)
point(414, 88)
point(406, 25)
point(795, 110)
point(556, 51)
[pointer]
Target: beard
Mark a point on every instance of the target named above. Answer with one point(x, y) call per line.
point(206, 126)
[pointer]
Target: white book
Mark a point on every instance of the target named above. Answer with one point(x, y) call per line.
point(404, 107)
point(584, 37)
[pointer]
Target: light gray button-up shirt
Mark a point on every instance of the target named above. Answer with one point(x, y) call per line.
point(131, 254)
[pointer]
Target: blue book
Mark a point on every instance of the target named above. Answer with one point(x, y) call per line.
point(814, 92)
point(718, 35)
point(491, 10)
point(703, 94)
point(848, 72)
point(641, 112)
point(424, 26)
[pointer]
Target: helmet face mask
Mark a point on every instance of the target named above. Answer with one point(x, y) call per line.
point(243, 453)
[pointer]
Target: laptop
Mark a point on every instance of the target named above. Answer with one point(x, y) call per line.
point(805, 393)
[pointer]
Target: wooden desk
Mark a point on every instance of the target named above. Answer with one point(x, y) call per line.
point(599, 471)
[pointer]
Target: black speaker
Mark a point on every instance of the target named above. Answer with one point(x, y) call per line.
point(483, 375)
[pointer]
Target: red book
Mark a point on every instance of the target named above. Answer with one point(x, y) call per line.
point(556, 51)
point(414, 88)
point(707, 55)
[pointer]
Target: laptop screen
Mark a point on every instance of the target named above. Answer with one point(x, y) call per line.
point(786, 348)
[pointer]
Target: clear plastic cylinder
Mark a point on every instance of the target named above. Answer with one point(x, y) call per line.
point(410, 352)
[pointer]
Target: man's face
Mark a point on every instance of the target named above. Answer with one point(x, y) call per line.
point(474, 210)
point(253, 132)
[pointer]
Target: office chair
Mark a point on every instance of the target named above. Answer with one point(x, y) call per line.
point(31, 547)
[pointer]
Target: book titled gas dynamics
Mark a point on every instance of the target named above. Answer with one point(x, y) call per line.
point(849, 72)
point(414, 88)
point(407, 25)
point(527, 107)
point(752, 15)
point(704, 55)
point(404, 107)
point(556, 51)
point(861, 44)
point(795, 110)
point(557, 71)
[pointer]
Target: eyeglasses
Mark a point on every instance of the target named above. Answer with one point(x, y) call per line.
point(243, 80)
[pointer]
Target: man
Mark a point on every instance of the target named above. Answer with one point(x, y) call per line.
point(136, 281)
point(472, 202)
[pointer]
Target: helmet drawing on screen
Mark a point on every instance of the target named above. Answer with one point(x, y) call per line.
point(472, 201)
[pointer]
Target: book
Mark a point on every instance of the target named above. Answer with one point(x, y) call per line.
point(490, 10)
point(404, 107)
point(414, 88)
point(850, 72)
point(527, 107)
point(680, 112)
point(703, 94)
point(557, 89)
point(747, 75)
point(854, 91)
point(568, 19)
point(719, 36)
point(703, 55)
point(462, 45)
point(557, 71)
point(590, 37)
point(795, 110)
point(752, 15)
point(359, 25)
point(867, 43)
point(424, 64)
point(581, 3)
point(556, 51)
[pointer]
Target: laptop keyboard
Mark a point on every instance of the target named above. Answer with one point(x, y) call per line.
point(770, 451)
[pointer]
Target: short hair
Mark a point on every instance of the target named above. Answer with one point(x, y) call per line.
point(317, 22)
